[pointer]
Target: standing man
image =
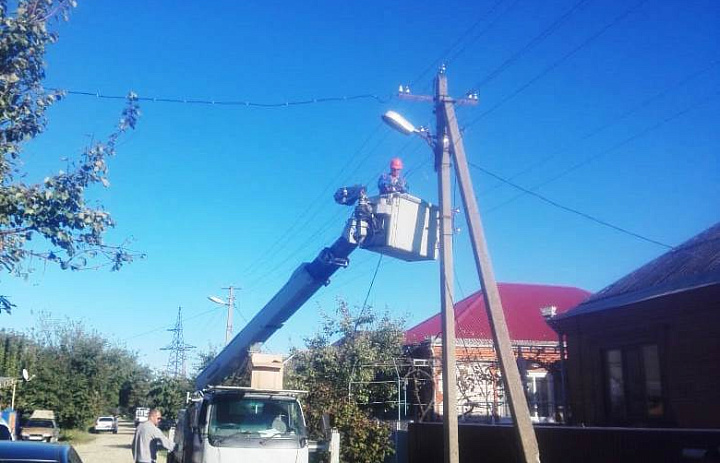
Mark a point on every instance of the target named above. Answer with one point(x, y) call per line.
point(147, 439)
point(393, 182)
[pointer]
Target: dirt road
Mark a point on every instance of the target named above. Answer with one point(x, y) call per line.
point(111, 448)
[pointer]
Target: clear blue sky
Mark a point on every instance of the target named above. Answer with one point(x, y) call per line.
point(219, 195)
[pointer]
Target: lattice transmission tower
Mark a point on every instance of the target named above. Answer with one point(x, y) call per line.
point(178, 349)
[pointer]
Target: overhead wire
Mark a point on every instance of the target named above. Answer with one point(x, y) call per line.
point(587, 160)
point(332, 222)
point(245, 103)
point(604, 126)
point(372, 282)
point(569, 209)
point(435, 63)
point(286, 234)
point(555, 64)
point(477, 37)
point(313, 236)
point(166, 327)
point(615, 147)
point(544, 34)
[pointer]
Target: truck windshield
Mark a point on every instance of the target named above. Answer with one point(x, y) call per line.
point(234, 417)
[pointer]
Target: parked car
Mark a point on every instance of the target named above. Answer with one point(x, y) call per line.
point(37, 452)
point(41, 427)
point(106, 423)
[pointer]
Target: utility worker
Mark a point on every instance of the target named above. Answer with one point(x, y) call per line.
point(393, 182)
point(148, 438)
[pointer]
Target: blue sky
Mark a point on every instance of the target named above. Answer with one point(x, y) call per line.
point(221, 194)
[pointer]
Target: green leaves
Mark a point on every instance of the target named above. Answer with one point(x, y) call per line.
point(54, 209)
point(77, 373)
point(333, 368)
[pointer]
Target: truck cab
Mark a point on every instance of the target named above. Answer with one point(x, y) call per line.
point(242, 424)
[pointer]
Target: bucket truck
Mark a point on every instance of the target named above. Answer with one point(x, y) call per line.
point(264, 423)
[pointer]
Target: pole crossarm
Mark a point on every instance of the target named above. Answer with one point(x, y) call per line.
point(430, 99)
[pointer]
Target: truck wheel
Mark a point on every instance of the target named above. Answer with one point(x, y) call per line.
point(114, 431)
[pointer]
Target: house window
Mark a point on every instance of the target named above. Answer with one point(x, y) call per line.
point(633, 384)
point(616, 384)
point(653, 385)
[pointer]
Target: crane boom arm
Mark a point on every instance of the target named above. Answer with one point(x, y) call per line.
point(397, 225)
point(305, 281)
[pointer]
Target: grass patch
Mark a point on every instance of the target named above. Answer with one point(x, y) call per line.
point(76, 436)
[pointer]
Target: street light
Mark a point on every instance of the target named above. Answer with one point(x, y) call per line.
point(405, 127)
point(230, 304)
point(399, 123)
point(217, 300)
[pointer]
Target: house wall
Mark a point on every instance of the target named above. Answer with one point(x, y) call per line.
point(686, 329)
point(481, 393)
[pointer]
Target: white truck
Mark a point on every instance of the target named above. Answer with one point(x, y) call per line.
point(265, 423)
point(141, 415)
point(242, 424)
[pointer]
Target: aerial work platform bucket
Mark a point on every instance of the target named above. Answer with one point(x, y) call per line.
point(404, 227)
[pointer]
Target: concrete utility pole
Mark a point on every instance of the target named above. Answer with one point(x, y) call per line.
point(501, 337)
point(442, 165)
point(449, 143)
point(231, 306)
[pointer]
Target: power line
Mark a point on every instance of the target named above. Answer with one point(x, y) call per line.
point(601, 128)
point(164, 327)
point(284, 237)
point(372, 282)
point(615, 147)
point(458, 41)
point(497, 19)
point(247, 103)
point(545, 33)
point(558, 62)
point(569, 209)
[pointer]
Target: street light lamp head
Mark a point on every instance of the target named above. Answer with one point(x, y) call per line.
point(217, 300)
point(399, 123)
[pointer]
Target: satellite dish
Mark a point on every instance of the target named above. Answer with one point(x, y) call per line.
point(217, 300)
point(25, 375)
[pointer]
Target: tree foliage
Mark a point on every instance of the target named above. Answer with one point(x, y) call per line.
point(54, 209)
point(168, 395)
point(337, 367)
point(76, 372)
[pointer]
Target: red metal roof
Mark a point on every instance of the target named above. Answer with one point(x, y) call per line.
point(521, 304)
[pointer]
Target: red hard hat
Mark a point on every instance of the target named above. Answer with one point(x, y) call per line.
point(396, 163)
